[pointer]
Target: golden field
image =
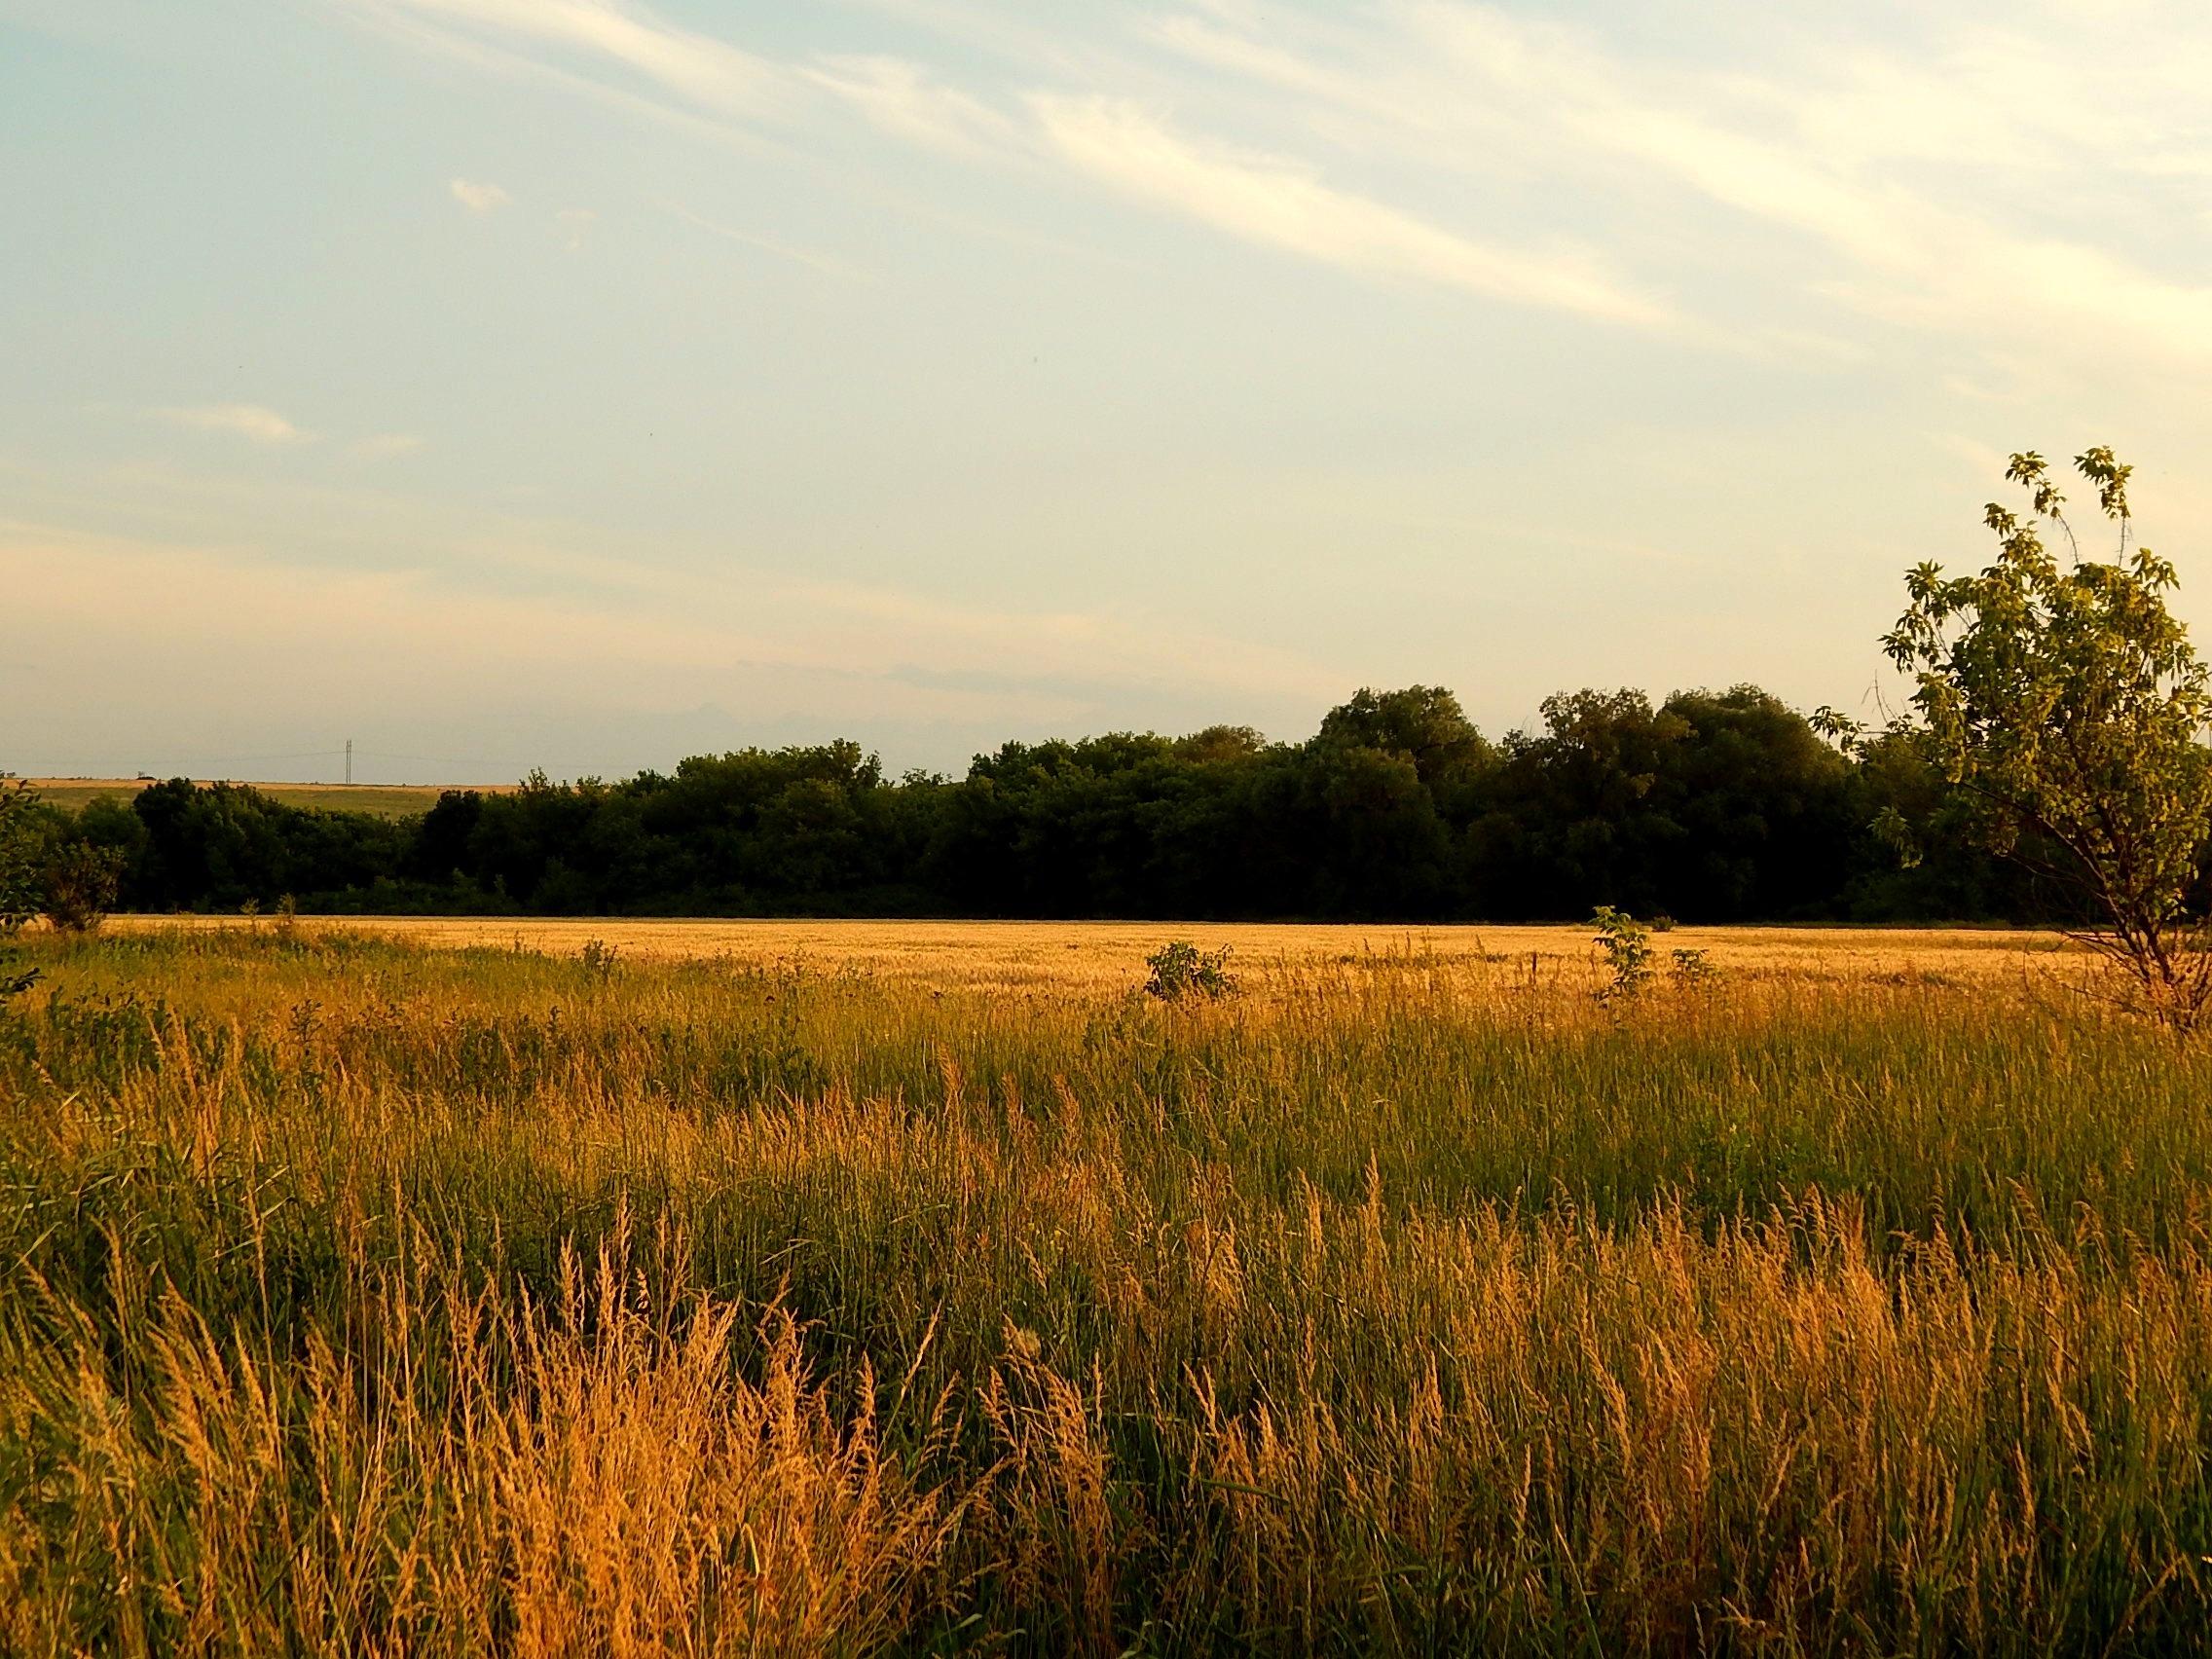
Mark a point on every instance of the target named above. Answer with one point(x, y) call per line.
point(1109, 956)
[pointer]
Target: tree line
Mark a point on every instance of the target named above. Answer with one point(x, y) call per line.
point(1708, 807)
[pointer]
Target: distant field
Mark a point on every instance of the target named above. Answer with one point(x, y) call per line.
point(385, 801)
point(1105, 957)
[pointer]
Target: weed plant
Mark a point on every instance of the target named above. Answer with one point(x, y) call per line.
point(1180, 968)
point(361, 1299)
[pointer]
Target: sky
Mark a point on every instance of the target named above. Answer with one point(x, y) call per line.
point(583, 383)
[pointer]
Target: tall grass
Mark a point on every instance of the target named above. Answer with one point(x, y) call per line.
point(369, 1300)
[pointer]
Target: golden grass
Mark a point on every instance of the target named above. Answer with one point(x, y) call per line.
point(594, 1480)
point(1106, 957)
point(357, 1297)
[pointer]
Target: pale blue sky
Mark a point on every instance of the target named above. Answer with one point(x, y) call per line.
point(506, 383)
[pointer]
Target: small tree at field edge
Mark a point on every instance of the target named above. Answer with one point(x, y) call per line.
point(2069, 703)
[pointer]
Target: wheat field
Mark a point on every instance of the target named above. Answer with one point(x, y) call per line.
point(1104, 956)
point(592, 1288)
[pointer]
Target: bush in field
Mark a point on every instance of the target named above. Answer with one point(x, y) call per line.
point(2069, 704)
point(1694, 970)
point(1180, 970)
point(81, 883)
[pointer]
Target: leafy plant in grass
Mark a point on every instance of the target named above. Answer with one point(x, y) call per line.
point(18, 878)
point(1626, 946)
point(2070, 705)
point(1694, 970)
point(22, 886)
point(1180, 970)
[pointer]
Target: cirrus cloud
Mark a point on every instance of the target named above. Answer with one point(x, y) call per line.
point(1272, 201)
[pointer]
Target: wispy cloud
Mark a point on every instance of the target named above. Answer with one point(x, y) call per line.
point(1970, 174)
point(1275, 201)
point(479, 197)
point(1952, 183)
point(241, 420)
point(815, 259)
point(905, 100)
point(574, 225)
point(697, 66)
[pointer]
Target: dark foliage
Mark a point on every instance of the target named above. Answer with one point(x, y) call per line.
point(219, 846)
point(1713, 807)
point(81, 884)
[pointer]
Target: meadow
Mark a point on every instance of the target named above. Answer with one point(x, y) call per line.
point(377, 800)
point(843, 1291)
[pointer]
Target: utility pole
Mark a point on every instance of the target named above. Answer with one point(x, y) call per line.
point(349, 760)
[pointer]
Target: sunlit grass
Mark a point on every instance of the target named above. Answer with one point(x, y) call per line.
point(371, 1299)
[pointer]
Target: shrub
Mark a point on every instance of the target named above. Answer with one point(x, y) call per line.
point(81, 883)
point(1180, 970)
point(1694, 968)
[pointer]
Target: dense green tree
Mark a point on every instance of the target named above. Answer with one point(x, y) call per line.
point(440, 850)
point(212, 847)
point(753, 831)
point(1219, 743)
point(1761, 804)
point(1571, 820)
point(1089, 829)
point(1423, 723)
point(1376, 844)
point(1714, 806)
point(219, 846)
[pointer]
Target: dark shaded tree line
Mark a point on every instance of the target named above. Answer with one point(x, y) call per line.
point(1710, 806)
